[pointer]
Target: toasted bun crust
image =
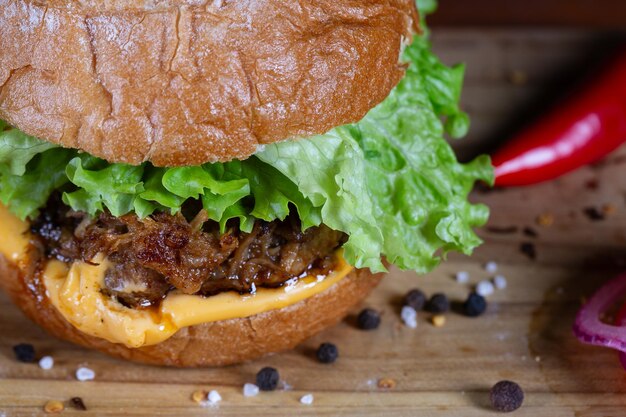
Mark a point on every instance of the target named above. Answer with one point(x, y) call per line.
point(182, 82)
point(210, 344)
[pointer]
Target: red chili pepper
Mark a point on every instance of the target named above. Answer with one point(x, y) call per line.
point(582, 130)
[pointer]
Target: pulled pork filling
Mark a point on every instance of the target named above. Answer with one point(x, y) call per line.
point(153, 256)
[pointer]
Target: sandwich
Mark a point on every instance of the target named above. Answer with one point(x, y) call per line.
point(203, 183)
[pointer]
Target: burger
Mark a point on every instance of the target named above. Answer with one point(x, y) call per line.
point(202, 183)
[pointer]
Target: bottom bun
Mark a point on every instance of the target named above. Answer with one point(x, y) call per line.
point(209, 344)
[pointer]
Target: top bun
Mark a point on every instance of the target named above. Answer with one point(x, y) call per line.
point(184, 82)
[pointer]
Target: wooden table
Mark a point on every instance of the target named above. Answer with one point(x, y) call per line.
point(579, 13)
point(525, 336)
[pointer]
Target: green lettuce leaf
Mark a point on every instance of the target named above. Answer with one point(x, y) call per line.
point(25, 194)
point(391, 181)
point(17, 149)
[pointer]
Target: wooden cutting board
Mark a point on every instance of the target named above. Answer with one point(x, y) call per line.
point(525, 336)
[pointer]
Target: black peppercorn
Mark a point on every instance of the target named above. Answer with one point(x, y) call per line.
point(416, 299)
point(506, 396)
point(438, 303)
point(327, 353)
point(78, 403)
point(267, 379)
point(475, 305)
point(368, 319)
point(528, 249)
point(24, 352)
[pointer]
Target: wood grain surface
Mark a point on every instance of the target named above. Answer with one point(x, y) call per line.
point(525, 335)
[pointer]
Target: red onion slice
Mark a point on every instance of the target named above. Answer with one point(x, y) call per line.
point(589, 329)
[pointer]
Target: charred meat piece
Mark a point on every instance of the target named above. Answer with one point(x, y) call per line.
point(132, 284)
point(162, 252)
point(56, 225)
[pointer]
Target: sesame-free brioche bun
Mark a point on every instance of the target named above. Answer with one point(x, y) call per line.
point(184, 82)
point(210, 344)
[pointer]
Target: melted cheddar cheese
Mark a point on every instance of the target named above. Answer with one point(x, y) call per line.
point(75, 291)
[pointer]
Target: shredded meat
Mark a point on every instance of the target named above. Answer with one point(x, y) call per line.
point(155, 255)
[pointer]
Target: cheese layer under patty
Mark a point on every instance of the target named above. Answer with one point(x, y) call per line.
point(75, 291)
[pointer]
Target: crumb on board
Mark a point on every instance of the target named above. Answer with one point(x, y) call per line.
point(609, 209)
point(386, 383)
point(53, 407)
point(438, 320)
point(199, 396)
point(545, 219)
